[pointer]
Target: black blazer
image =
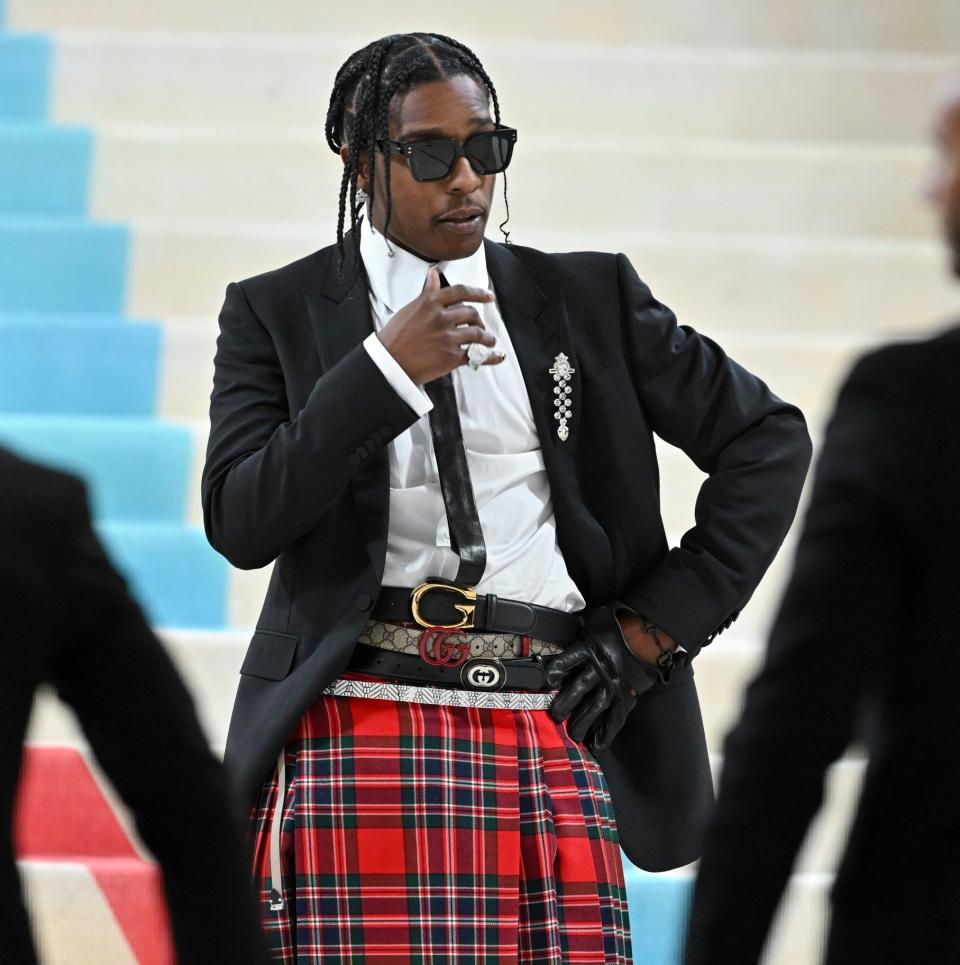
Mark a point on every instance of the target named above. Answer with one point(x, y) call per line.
point(66, 619)
point(297, 472)
point(867, 635)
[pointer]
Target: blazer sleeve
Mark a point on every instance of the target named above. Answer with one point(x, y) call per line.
point(271, 473)
point(753, 446)
point(143, 728)
point(843, 600)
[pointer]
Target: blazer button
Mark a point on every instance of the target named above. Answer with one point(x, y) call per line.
point(362, 452)
point(364, 602)
point(354, 460)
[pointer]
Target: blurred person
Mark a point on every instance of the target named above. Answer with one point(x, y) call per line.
point(67, 619)
point(865, 640)
point(446, 445)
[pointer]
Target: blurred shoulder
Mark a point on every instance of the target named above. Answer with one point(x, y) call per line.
point(38, 503)
point(915, 371)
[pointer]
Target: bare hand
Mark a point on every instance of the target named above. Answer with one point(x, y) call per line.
point(426, 336)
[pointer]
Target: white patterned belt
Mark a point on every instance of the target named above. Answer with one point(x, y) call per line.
point(444, 696)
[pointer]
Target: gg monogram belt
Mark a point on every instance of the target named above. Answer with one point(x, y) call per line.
point(442, 655)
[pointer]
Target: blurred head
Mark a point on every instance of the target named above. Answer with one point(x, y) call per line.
point(943, 185)
point(411, 88)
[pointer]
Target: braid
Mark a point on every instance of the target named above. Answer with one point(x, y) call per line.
point(477, 68)
point(358, 114)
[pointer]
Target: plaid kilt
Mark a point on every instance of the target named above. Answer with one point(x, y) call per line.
point(428, 834)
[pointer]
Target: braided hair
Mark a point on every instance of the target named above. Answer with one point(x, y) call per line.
point(359, 110)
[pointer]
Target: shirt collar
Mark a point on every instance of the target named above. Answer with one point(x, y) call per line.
point(398, 280)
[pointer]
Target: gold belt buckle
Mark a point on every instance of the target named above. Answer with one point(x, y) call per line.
point(466, 609)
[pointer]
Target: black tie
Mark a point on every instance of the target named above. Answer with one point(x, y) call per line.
point(463, 521)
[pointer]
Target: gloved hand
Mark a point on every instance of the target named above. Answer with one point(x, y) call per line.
point(601, 679)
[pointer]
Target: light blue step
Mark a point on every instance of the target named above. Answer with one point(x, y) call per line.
point(178, 579)
point(62, 265)
point(658, 907)
point(62, 318)
point(44, 170)
point(79, 367)
point(137, 469)
point(25, 68)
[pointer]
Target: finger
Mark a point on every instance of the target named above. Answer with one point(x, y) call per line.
point(559, 665)
point(453, 294)
point(609, 726)
point(578, 725)
point(433, 280)
point(462, 315)
point(495, 358)
point(466, 334)
point(573, 692)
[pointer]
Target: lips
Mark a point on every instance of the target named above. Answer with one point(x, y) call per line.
point(462, 216)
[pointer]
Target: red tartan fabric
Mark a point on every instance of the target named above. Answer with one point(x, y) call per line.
point(417, 833)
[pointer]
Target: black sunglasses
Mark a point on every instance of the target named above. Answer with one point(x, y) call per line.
point(488, 152)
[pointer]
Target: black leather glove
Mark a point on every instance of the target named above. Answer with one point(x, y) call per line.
point(600, 679)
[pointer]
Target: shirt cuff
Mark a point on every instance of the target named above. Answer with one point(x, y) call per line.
point(402, 384)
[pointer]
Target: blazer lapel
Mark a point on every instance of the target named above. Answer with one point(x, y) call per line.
point(540, 332)
point(339, 310)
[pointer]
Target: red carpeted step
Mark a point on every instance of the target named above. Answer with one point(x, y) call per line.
point(65, 817)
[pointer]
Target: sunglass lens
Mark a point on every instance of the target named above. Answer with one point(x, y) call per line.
point(432, 160)
point(490, 151)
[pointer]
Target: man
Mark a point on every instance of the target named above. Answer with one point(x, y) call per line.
point(68, 621)
point(446, 445)
point(867, 629)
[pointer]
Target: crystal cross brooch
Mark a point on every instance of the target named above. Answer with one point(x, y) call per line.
point(561, 372)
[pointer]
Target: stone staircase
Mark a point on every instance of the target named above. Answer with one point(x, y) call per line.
point(760, 164)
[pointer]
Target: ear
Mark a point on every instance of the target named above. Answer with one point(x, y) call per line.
point(363, 168)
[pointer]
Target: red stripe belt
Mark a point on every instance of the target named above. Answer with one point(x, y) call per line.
point(445, 605)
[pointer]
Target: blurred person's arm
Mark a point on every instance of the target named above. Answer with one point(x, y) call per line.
point(843, 600)
point(143, 728)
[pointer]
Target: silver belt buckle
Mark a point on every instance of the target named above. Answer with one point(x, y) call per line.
point(483, 673)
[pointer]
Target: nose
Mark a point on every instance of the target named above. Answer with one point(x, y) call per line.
point(462, 178)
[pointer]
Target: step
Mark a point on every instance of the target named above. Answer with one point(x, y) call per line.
point(261, 80)
point(680, 482)
point(857, 24)
point(102, 912)
point(93, 893)
point(802, 368)
point(62, 265)
point(79, 367)
point(44, 170)
point(25, 76)
point(726, 282)
point(209, 663)
point(137, 469)
point(121, 892)
point(178, 579)
point(786, 188)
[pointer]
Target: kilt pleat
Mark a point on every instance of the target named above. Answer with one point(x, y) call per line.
point(418, 833)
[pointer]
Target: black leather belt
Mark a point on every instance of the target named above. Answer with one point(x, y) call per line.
point(440, 603)
point(474, 673)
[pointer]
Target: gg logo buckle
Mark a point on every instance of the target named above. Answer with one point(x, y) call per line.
point(466, 609)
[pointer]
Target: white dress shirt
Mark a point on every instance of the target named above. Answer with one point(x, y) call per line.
point(500, 438)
